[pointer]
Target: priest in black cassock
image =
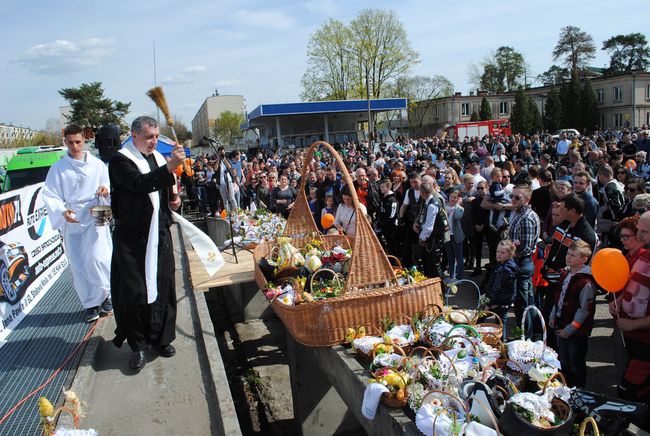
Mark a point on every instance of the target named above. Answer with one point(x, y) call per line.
point(142, 275)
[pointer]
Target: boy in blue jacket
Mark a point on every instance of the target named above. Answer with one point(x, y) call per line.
point(500, 289)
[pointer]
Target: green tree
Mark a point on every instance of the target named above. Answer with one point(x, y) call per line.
point(588, 107)
point(570, 95)
point(501, 71)
point(555, 75)
point(330, 63)
point(520, 119)
point(575, 48)
point(627, 53)
point(90, 109)
point(474, 116)
point(227, 127)
point(485, 113)
point(553, 111)
point(179, 126)
point(534, 117)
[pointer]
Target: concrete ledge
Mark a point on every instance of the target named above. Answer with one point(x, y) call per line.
point(226, 414)
point(319, 408)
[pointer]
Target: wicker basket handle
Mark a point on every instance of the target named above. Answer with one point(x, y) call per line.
point(336, 277)
point(553, 377)
point(497, 317)
point(395, 347)
point(524, 318)
point(463, 326)
point(583, 427)
point(368, 265)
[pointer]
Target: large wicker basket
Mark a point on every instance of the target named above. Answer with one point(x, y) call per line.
point(371, 291)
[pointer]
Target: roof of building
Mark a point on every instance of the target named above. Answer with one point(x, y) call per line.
point(324, 107)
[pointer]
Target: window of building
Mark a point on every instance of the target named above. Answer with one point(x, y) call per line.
point(503, 107)
point(647, 92)
point(435, 111)
point(647, 119)
point(618, 93)
point(618, 120)
point(600, 95)
point(465, 109)
point(602, 120)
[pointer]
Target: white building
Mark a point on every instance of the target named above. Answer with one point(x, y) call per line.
point(10, 133)
point(211, 110)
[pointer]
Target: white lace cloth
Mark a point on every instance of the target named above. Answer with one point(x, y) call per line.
point(366, 343)
point(391, 360)
point(526, 353)
point(401, 335)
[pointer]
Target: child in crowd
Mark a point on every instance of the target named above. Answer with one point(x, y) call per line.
point(330, 208)
point(498, 194)
point(313, 203)
point(500, 289)
point(572, 316)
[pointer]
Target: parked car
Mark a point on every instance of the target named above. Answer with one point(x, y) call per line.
point(14, 271)
point(569, 133)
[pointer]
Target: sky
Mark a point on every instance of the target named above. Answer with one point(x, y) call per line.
point(255, 48)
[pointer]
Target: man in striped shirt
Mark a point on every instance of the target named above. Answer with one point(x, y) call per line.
point(524, 232)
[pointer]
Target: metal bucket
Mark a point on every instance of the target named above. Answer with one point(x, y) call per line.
point(102, 214)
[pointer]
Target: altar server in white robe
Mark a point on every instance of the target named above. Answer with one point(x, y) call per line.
point(73, 186)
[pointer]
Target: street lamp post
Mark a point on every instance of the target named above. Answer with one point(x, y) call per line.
point(370, 124)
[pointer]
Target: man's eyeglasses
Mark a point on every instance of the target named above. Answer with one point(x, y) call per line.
point(480, 188)
point(517, 197)
point(625, 237)
point(505, 176)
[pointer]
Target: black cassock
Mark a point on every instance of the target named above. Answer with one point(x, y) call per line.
point(138, 322)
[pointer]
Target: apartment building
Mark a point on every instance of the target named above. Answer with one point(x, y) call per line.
point(622, 101)
point(211, 110)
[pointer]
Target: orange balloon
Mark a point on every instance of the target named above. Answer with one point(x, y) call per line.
point(223, 213)
point(327, 221)
point(610, 269)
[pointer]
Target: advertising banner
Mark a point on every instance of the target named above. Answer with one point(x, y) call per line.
point(31, 255)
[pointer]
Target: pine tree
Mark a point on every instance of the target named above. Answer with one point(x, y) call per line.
point(534, 116)
point(553, 111)
point(485, 113)
point(520, 118)
point(571, 110)
point(474, 116)
point(588, 107)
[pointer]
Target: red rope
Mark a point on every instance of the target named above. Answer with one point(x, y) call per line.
point(55, 373)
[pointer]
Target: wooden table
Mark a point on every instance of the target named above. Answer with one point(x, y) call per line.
point(230, 274)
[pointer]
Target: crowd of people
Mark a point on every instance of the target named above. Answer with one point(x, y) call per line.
point(542, 206)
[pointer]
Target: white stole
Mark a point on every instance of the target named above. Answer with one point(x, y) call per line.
point(205, 248)
point(151, 258)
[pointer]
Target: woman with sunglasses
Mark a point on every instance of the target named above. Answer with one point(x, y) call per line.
point(622, 174)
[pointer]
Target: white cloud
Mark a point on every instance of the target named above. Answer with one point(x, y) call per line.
point(272, 20)
point(195, 69)
point(63, 56)
point(227, 83)
point(187, 75)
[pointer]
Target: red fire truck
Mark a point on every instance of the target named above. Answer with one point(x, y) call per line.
point(479, 128)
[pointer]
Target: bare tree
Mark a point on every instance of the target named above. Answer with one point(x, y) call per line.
point(421, 92)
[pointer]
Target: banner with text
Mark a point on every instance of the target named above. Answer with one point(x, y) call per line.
point(31, 255)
